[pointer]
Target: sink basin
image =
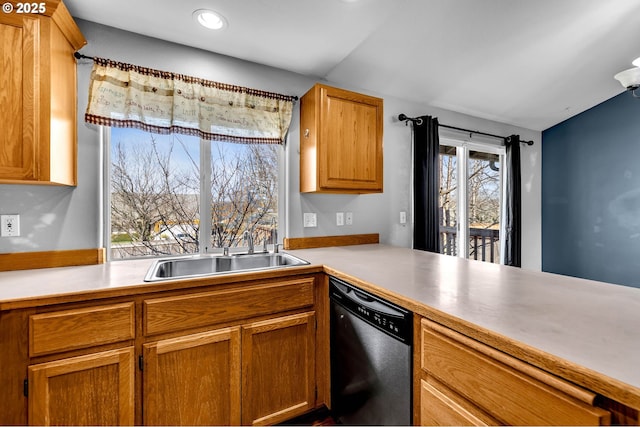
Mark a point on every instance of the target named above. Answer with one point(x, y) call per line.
point(208, 265)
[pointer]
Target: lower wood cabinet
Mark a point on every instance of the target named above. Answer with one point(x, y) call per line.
point(278, 369)
point(254, 374)
point(465, 382)
point(441, 406)
point(95, 389)
point(230, 354)
point(193, 380)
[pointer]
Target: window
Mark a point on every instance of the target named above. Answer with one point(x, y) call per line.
point(177, 194)
point(471, 199)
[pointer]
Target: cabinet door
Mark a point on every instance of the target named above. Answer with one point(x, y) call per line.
point(350, 146)
point(18, 96)
point(193, 380)
point(96, 389)
point(278, 369)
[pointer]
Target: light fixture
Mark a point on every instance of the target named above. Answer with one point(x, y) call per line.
point(210, 19)
point(630, 79)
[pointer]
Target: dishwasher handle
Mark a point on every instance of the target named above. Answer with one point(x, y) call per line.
point(370, 302)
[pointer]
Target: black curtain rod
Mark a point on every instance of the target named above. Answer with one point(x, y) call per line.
point(403, 117)
point(78, 55)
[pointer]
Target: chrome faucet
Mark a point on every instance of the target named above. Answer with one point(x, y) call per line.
point(248, 237)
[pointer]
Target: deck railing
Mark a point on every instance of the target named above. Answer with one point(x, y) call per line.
point(484, 243)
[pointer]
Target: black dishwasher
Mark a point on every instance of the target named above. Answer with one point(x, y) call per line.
point(371, 358)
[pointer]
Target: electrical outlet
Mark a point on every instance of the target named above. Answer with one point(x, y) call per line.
point(349, 218)
point(10, 225)
point(403, 217)
point(339, 218)
point(309, 220)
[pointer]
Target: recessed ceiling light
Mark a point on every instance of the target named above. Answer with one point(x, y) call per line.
point(210, 19)
point(636, 62)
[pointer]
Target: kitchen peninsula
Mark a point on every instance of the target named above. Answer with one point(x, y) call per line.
point(575, 334)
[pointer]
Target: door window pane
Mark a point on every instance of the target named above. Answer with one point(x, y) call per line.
point(448, 200)
point(470, 202)
point(483, 206)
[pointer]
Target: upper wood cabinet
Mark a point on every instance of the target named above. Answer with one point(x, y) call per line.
point(340, 142)
point(38, 95)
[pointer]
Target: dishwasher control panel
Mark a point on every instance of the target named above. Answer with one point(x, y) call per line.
point(386, 316)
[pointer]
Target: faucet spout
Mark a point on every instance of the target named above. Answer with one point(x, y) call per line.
point(248, 237)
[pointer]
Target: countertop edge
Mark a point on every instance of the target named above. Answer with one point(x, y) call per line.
point(142, 287)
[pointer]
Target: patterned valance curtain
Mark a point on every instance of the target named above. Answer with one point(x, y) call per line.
point(125, 95)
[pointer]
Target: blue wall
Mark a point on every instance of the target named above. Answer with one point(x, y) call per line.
point(591, 193)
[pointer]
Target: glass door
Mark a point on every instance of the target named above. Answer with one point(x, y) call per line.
point(471, 200)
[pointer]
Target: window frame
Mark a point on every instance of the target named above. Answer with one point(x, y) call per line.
point(205, 188)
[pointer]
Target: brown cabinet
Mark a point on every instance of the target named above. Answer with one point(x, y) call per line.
point(464, 382)
point(217, 378)
point(340, 141)
point(95, 389)
point(38, 97)
point(252, 372)
point(193, 380)
point(278, 369)
point(63, 330)
point(441, 406)
point(248, 352)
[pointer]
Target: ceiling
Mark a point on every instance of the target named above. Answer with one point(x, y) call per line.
point(529, 63)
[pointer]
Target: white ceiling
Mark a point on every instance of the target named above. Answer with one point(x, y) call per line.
point(530, 63)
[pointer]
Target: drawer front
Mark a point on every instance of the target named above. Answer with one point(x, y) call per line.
point(440, 407)
point(177, 313)
point(80, 328)
point(504, 392)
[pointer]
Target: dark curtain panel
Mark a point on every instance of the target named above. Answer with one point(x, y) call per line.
point(513, 232)
point(426, 232)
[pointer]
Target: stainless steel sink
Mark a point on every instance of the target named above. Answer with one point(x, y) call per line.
point(208, 265)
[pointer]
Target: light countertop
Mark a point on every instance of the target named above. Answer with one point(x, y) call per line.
point(584, 331)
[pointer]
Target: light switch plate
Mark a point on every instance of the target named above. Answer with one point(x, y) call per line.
point(9, 225)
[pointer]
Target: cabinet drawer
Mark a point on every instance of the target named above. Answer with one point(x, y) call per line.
point(440, 407)
point(508, 389)
point(80, 328)
point(177, 313)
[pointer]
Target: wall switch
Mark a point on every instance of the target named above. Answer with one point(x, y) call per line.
point(310, 220)
point(349, 218)
point(10, 225)
point(339, 218)
point(403, 217)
